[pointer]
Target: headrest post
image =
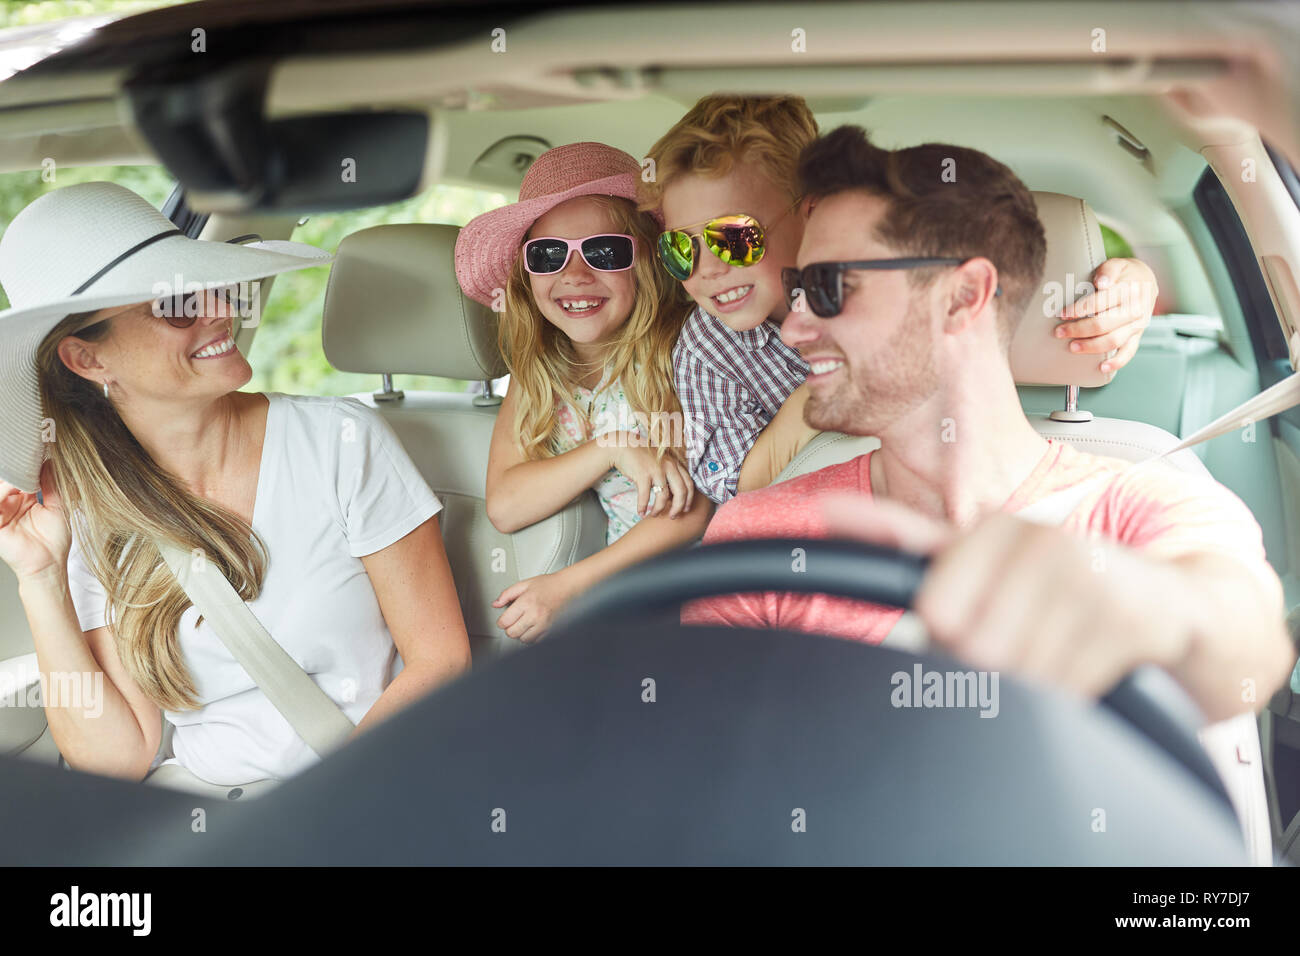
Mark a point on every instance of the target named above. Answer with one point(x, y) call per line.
point(1072, 412)
point(388, 394)
point(489, 397)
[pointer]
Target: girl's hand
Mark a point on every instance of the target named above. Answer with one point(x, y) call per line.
point(648, 471)
point(534, 602)
point(34, 537)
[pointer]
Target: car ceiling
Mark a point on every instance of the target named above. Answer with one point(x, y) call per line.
point(1031, 96)
point(1055, 144)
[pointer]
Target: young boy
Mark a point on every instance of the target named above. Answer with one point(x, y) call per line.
point(725, 184)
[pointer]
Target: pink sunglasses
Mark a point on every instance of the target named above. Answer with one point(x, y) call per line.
point(607, 252)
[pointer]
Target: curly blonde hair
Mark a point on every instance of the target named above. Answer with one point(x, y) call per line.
point(767, 131)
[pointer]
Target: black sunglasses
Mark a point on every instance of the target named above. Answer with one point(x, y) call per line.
point(183, 310)
point(822, 283)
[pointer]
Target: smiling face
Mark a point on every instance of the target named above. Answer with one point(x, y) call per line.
point(144, 356)
point(876, 360)
point(587, 305)
point(743, 297)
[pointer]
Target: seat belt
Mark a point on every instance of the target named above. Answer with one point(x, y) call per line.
point(1198, 396)
point(309, 710)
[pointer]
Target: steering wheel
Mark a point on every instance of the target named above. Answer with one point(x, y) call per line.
point(1148, 698)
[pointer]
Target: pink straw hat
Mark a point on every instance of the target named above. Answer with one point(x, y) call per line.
point(487, 246)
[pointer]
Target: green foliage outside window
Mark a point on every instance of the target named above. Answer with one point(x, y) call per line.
point(1116, 246)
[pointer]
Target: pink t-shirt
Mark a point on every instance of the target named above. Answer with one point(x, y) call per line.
point(1155, 509)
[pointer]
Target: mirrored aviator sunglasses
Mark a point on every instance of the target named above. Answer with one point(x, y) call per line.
point(738, 240)
point(547, 255)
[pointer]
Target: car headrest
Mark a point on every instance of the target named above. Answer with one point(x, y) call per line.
point(393, 306)
point(1074, 250)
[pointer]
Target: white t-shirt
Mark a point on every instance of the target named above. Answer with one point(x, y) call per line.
point(335, 484)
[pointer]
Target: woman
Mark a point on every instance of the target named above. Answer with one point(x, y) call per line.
point(308, 506)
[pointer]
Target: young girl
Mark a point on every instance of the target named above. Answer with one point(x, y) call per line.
point(588, 330)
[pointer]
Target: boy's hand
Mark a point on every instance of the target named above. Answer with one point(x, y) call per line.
point(1115, 315)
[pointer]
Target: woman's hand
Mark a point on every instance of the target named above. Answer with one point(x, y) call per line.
point(632, 457)
point(34, 537)
point(534, 602)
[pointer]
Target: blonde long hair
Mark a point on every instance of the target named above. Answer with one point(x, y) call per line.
point(543, 364)
point(119, 500)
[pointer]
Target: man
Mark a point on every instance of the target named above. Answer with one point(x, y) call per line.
point(1151, 566)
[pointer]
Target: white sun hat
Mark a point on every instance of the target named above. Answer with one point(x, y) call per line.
point(94, 246)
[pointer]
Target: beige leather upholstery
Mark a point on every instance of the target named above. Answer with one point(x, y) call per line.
point(1074, 250)
point(393, 305)
point(1119, 438)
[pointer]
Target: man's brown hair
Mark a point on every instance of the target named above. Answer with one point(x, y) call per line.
point(767, 131)
point(943, 200)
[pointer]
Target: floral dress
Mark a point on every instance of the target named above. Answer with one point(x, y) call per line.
point(608, 411)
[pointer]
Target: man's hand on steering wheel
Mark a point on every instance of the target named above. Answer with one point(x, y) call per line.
point(1008, 594)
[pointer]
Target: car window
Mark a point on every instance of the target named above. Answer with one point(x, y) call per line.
point(1116, 246)
point(1242, 263)
point(287, 355)
point(18, 189)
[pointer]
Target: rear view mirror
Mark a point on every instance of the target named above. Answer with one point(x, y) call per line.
point(210, 130)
